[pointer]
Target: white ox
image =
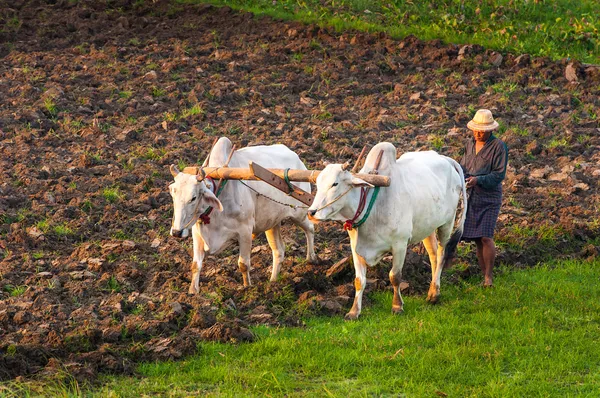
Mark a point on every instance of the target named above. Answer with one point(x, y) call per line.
point(239, 212)
point(420, 203)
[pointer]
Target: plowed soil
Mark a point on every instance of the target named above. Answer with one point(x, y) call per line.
point(97, 98)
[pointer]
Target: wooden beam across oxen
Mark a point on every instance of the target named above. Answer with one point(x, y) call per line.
point(238, 173)
point(281, 178)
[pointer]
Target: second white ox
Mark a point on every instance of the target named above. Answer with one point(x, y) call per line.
point(419, 205)
point(242, 210)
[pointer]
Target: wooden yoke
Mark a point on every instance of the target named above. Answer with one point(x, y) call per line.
point(274, 180)
point(234, 173)
point(377, 162)
point(357, 165)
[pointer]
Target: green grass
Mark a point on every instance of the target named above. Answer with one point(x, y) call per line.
point(192, 111)
point(62, 230)
point(556, 28)
point(15, 291)
point(112, 194)
point(534, 334)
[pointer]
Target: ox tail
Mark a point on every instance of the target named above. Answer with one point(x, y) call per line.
point(452, 244)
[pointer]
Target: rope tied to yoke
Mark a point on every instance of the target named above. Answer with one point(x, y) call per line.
point(271, 199)
point(286, 178)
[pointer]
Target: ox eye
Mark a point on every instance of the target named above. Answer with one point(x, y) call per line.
point(334, 184)
point(194, 198)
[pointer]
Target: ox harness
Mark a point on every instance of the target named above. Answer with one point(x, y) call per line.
point(352, 223)
point(204, 218)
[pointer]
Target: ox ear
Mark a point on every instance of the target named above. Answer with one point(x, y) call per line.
point(174, 170)
point(211, 200)
point(357, 182)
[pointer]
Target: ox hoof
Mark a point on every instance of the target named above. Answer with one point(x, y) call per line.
point(351, 316)
point(192, 290)
point(433, 298)
point(397, 310)
point(313, 261)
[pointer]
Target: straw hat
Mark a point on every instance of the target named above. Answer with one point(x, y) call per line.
point(483, 121)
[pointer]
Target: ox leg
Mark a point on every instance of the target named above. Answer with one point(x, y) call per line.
point(431, 245)
point(197, 259)
point(245, 242)
point(360, 281)
point(309, 230)
point(398, 256)
point(278, 249)
point(444, 233)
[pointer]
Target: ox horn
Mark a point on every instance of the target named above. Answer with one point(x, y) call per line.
point(345, 166)
point(174, 170)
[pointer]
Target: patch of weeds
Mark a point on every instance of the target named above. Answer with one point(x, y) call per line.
point(315, 45)
point(15, 291)
point(50, 106)
point(158, 92)
point(297, 57)
point(11, 350)
point(105, 127)
point(583, 138)
point(134, 42)
point(43, 225)
point(152, 153)
point(151, 66)
point(112, 257)
point(210, 130)
point(504, 87)
point(323, 114)
point(513, 202)
point(139, 309)
point(193, 111)
point(37, 255)
point(78, 342)
point(548, 233)
point(62, 230)
point(112, 194)
point(120, 235)
point(438, 142)
point(87, 206)
point(170, 117)
point(501, 128)
point(521, 131)
point(557, 142)
point(96, 157)
point(234, 130)
point(113, 285)
point(309, 70)
point(125, 94)
point(181, 164)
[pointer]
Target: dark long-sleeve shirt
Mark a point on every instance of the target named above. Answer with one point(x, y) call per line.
point(489, 165)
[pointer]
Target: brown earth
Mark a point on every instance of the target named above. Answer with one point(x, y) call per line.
point(98, 95)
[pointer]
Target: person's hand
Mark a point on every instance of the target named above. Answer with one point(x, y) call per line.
point(471, 182)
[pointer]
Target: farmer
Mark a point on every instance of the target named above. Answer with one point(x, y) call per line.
point(484, 164)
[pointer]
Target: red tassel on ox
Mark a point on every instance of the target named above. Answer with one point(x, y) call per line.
point(348, 225)
point(205, 218)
